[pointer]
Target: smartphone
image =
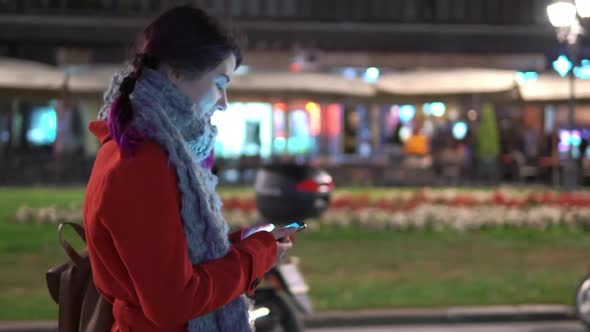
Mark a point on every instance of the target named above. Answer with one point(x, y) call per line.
point(299, 225)
point(259, 228)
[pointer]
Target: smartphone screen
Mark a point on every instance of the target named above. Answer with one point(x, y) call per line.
point(298, 225)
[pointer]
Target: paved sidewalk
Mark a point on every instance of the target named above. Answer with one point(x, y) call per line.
point(522, 313)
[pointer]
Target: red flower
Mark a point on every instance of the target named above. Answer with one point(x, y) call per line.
point(498, 198)
point(547, 198)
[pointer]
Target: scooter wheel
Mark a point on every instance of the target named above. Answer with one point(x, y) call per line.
point(582, 301)
point(283, 315)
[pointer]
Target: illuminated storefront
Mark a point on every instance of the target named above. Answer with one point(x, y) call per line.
point(298, 128)
point(244, 129)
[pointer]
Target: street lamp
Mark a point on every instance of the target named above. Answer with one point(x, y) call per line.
point(563, 15)
point(583, 7)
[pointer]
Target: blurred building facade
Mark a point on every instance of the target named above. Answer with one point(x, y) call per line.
point(353, 85)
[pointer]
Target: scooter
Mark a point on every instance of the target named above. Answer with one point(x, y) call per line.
point(287, 193)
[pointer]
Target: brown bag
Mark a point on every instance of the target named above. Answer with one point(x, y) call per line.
point(81, 307)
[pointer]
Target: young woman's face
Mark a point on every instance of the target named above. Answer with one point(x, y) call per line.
point(208, 92)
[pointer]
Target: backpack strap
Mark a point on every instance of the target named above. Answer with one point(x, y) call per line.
point(70, 251)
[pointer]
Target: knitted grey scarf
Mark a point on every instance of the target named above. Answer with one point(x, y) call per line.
point(166, 116)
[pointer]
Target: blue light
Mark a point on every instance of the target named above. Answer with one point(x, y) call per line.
point(531, 75)
point(523, 77)
point(519, 77)
point(407, 113)
point(371, 75)
point(349, 73)
point(438, 109)
point(43, 129)
point(231, 175)
point(280, 143)
point(299, 140)
point(562, 65)
point(568, 138)
point(460, 130)
point(4, 136)
point(575, 138)
point(426, 109)
point(583, 72)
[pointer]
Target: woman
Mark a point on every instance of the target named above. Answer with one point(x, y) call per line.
point(157, 241)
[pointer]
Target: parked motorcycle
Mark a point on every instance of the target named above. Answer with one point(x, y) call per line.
point(287, 193)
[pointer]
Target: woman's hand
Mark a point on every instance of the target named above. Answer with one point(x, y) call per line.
point(283, 246)
point(283, 237)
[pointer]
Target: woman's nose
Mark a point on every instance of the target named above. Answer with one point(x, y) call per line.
point(221, 103)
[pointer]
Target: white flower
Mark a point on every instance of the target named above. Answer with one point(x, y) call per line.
point(47, 215)
point(449, 194)
point(481, 197)
point(24, 214)
point(398, 221)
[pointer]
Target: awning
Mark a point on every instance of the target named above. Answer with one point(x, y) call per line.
point(97, 80)
point(92, 79)
point(549, 87)
point(313, 83)
point(26, 75)
point(447, 82)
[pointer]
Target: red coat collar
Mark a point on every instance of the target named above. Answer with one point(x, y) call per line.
point(100, 129)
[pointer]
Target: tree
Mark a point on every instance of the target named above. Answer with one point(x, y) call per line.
point(488, 143)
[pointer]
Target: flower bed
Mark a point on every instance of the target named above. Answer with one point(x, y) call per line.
point(410, 210)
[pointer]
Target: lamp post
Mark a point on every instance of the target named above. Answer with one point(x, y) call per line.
point(564, 16)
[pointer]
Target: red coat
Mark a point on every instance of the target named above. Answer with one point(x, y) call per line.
point(138, 250)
